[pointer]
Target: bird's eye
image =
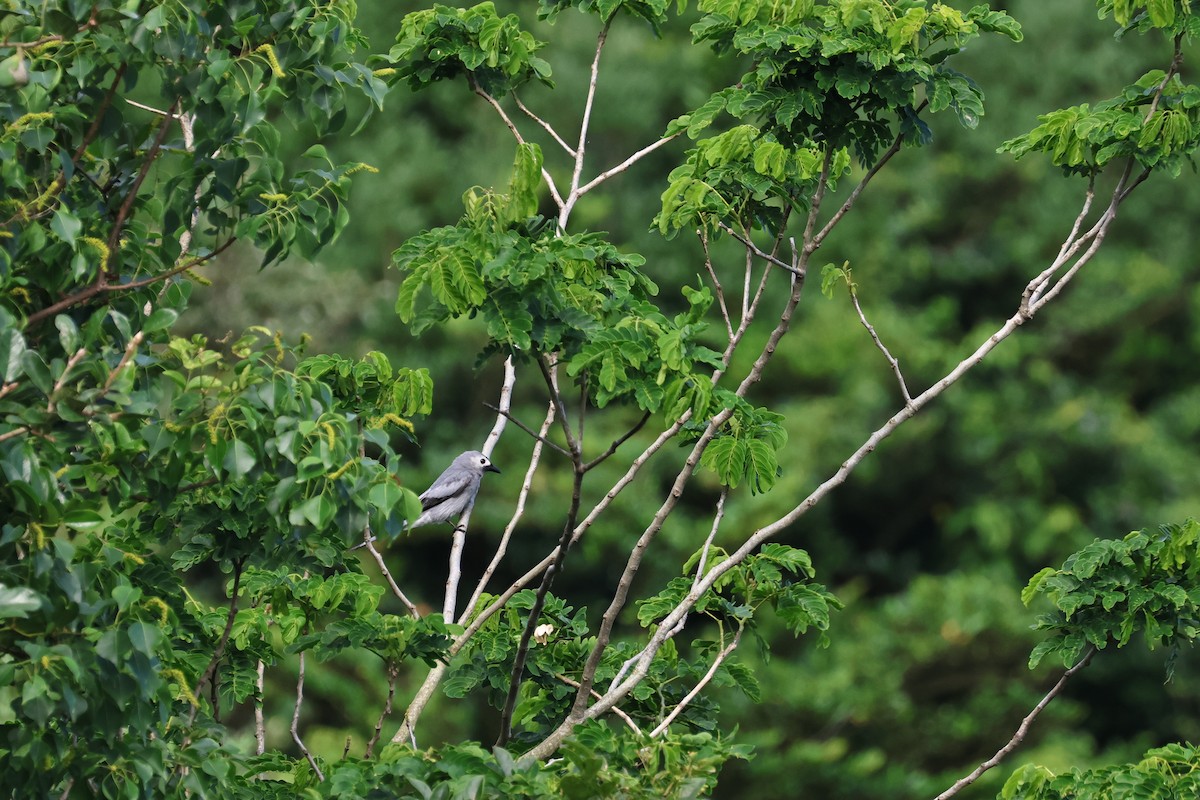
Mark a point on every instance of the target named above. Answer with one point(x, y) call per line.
point(483, 461)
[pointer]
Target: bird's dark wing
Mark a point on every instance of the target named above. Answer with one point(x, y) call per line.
point(443, 489)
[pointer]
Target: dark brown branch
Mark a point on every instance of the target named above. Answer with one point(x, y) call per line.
point(612, 448)
point(224, 640)
point(528, 430)
point(100, 287)
point(564, 544)
point(393, 674)
point(1022, 730)
point(862, 184)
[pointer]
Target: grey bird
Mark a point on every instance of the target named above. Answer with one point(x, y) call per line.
point(453, 493)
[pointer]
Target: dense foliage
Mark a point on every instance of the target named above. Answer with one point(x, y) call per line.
point(177, 509)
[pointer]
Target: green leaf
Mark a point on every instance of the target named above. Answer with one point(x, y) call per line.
point(66, 226)
point(12, 346)
point(239, 459)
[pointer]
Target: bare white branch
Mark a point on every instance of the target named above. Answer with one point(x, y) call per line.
point(546, 125)
point(296, 722)
point(512, 126)
point(1022, 730)
point(502, 548)
point(699, 687)
point(460, 530)
point(369, 543)
point(882, 348)
point(624, 165)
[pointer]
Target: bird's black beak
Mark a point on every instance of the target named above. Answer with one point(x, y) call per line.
point(492, 468)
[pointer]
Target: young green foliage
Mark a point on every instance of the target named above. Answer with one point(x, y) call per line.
point(1114, 588)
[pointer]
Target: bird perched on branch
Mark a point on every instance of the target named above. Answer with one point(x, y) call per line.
point(453, 493)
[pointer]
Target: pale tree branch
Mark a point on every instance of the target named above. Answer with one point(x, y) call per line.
point(260, 726)
point(62, 379)
point(624, 165)
point(882, 347)
point(460, 531)
point(699, 687)
point(545, 125)
point(512, 126)
point(756, 250)
point(616, 693)
point(584, 127)
point(712, 534)
point(526, 486)
point(296, 721)
point(1022, 729)
point(616, 710)
point(718, 289)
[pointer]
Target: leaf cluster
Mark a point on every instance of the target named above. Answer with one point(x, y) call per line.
point(828, 80)
point(1170, 771)
point(1114, 588)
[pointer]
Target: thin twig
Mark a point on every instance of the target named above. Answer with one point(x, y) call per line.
point(633, 726)
point(369, 543)
point(661, 728)
point(718, 289)
point(584, 126)
point(752, 247)
point(620, 440)
point(296, 721)
point(1022, 730)
point(546, 125)
point(130, 349)
point(206, 676)
point(393, 674)
point(62, 379)
point(624, 165)
point(882, 348)
point(862, 184)
point(540, 438)
point(479, 90)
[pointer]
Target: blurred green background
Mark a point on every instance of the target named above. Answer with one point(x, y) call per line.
point(1086, 424)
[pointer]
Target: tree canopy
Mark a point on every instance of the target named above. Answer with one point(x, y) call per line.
point(686, 381)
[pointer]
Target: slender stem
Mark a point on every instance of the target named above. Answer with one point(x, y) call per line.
point(62, 379)
point(624, 165)
point(882, 348)
point(633, 726)
point(862, 184)
point(130, 349)
point(699, 687)
point(584, 126)
point(512, 126)
point(206, 676)
point(539, 437)
point(296, 721)
point(369, 543)
point(753, 248)
point(718, 289)
point(620, 440)
point(393, 674)
point(546, 125)
point(1022, 729)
